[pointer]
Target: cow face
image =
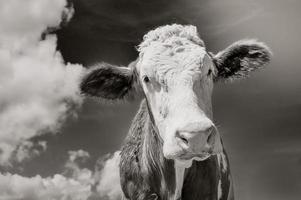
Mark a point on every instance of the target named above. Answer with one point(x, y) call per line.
point(175, 73)
point(177, 79)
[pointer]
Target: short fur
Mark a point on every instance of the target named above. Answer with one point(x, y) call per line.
point(165, 34)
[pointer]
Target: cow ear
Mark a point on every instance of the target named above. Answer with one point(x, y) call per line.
point(240, 58)
point(108, 81)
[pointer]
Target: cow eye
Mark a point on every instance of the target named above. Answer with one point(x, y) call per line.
point(145, 79)
point(209, 72)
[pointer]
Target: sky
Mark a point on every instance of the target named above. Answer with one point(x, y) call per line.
point(52, 136)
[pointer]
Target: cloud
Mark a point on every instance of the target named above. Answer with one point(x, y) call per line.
point(37, 89)
point(76, 186)
point(28, 149)
point(108, 186)
point(78, 155)
point(75, 183)
point(84, 175)
point(23, 22)
point(58, 187)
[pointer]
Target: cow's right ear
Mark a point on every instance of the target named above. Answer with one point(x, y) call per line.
point(108, 82)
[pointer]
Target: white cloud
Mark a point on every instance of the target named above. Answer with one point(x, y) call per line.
point(37, 89)
point(78, 155)
point(22, 22)
point(74, 170)
point(78, 186)
point(108, 186)
point(58, 187)
point(37, 92)
point(28, 149)
point(75, 183)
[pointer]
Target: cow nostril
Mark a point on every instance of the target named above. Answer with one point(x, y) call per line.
point(210, 138)
point(183, 139)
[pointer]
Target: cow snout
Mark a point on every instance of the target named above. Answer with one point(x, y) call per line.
point(198, 139)
point(190, 137)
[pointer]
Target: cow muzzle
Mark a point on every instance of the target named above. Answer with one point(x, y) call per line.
point(194, 141)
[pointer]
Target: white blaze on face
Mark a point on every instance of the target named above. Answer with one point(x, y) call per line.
point(176, 77)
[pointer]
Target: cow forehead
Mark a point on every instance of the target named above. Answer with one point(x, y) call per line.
point(173, 48)
point(159, 58)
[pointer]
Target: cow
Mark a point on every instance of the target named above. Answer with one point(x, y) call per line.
point(173, 149)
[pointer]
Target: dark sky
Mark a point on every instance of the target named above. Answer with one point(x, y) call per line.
point(259, 118)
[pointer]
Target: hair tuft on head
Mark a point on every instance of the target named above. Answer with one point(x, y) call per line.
point(170, 34)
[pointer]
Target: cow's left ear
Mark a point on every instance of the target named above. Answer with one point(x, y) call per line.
point(240, 58)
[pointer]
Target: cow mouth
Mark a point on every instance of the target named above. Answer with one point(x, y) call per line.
point(191, 156)
point(182, 152)
point(186, 153)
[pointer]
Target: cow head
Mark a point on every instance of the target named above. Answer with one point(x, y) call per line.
point(175, 73)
